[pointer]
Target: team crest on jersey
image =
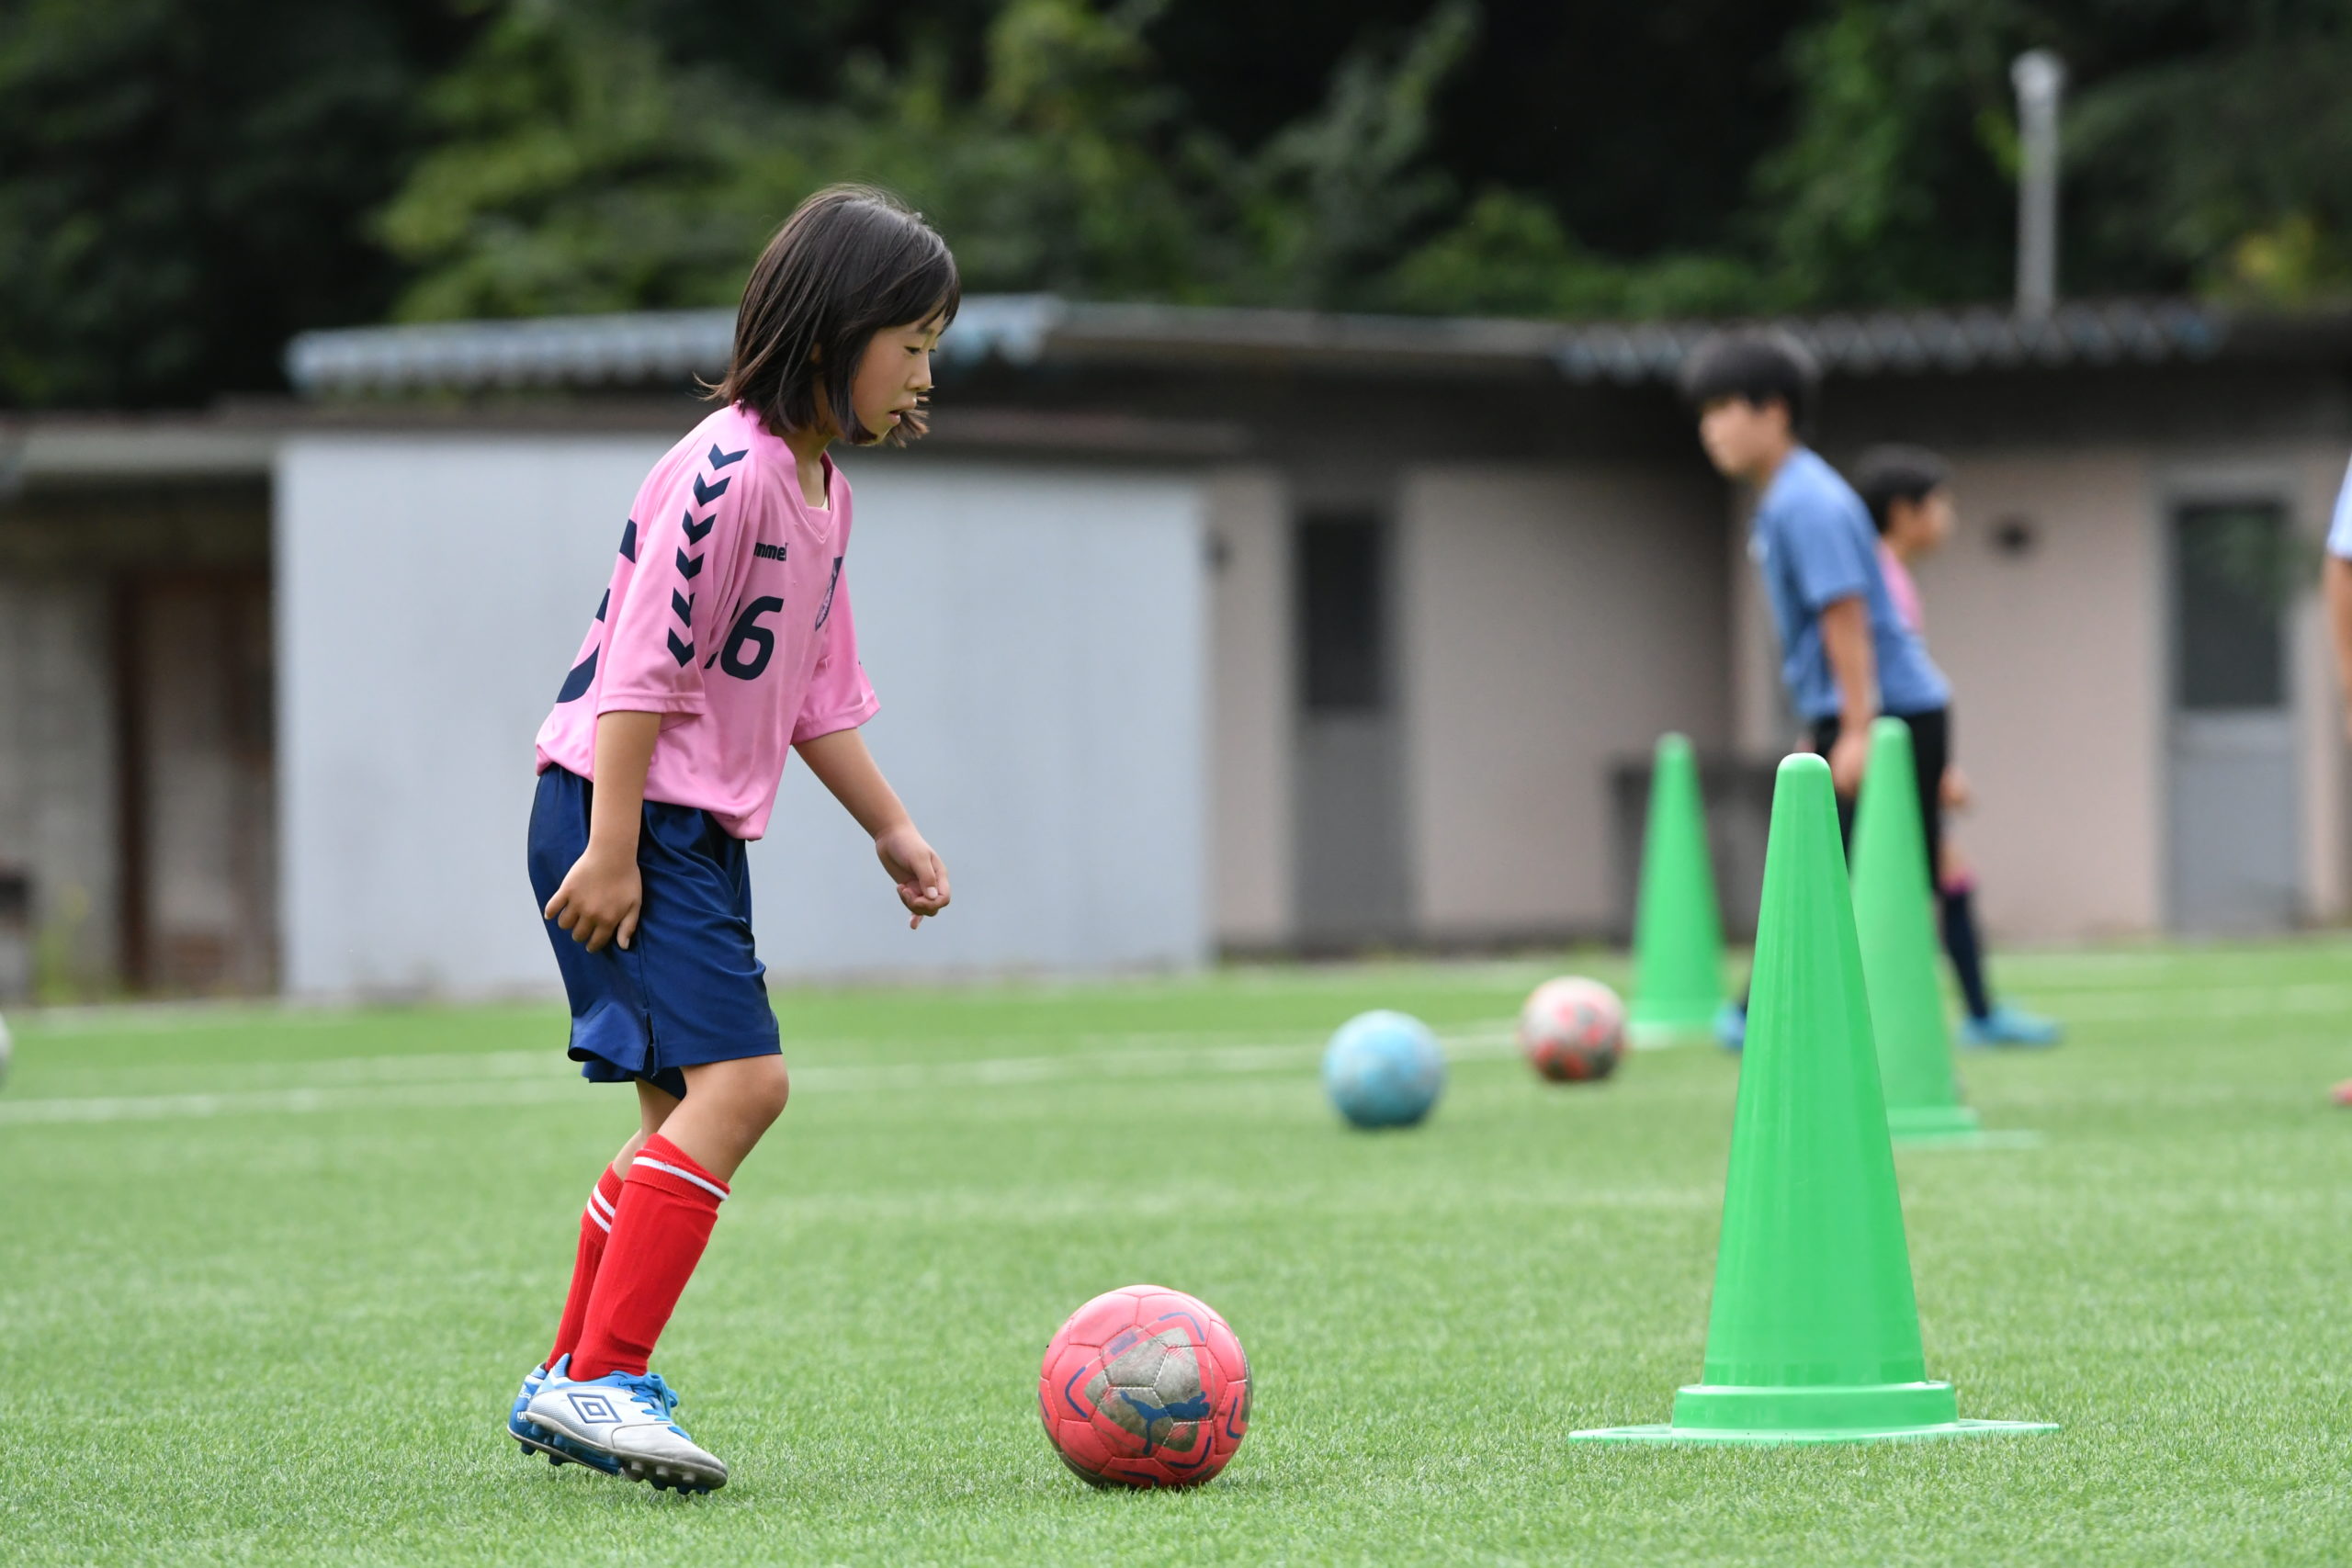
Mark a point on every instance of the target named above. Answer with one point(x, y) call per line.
point(826, 608)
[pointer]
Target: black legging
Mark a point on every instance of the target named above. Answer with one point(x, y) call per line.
point(1930, 750)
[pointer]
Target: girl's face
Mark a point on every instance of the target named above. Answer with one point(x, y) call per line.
point(894, 377)
point(1916, 527)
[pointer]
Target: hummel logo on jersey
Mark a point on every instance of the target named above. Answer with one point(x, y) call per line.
point(592, 1407)
point(768, 552)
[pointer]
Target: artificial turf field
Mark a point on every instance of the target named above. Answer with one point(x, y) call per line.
point(267, 1282)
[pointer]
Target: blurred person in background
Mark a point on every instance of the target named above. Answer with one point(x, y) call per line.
point(1908, 491)
point(1847, 653)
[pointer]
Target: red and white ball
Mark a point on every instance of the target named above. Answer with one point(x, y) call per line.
point(1573, 1029)
point(1145, 1386)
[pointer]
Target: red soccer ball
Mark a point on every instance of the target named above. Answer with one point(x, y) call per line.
point(1145, 1386)
point(1573, 1029)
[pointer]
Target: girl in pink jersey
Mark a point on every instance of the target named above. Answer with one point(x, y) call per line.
point(724, 643)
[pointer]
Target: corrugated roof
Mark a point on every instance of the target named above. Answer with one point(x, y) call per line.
point(636, 348)
point(1923, 341)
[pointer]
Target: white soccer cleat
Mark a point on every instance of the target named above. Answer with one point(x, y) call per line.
point(536, 1439)
point(626, 1418)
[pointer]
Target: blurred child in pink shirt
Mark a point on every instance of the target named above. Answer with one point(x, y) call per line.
point(1908, 491)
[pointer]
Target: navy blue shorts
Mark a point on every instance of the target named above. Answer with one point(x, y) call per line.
point(688, 989)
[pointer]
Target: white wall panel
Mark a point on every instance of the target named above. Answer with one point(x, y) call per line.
point(1035, 636)
point(1558, 619)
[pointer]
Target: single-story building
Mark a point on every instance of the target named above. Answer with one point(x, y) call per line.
point(1195, 630)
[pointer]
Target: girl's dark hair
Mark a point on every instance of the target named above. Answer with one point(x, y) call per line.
point(1756, 364)
point(848, 262)
point(1884, 475)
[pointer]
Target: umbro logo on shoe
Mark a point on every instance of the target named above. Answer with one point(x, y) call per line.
point(626, 1420)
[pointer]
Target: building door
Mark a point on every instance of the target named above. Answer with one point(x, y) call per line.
point(2234, 845)
point(1351, 818)
point(193, 659)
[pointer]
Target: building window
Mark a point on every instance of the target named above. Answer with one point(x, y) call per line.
point(2233, 573)
point(1342, 572)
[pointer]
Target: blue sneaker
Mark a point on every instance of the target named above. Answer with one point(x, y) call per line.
point(1731, 1026)
point(2004, 1025)
point(624, 1417)
point(537, 1439)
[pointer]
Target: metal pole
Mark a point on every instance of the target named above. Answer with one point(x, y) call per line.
point(2039, 77)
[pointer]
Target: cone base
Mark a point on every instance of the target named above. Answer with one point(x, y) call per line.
point(1655, 1022)
point(1647, 1035)
point(1815, 1407)
point(2000, 1138)
point(1724, 1438)
point(1905, 1122)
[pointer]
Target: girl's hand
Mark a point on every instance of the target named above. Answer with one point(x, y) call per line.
point(1956, 794)
point(916, 868)
point(600, 899)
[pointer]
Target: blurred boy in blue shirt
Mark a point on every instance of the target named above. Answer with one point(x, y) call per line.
point(1847, 654)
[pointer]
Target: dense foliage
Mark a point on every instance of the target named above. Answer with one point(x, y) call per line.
point(183, 183)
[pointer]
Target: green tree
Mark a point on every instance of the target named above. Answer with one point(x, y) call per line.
point(184, 185)
point(575, 169)
point(2207, 147)
point(2229, 169)
point(1894, 186)
point(580, 169)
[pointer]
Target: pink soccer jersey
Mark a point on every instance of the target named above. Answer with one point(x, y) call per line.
point(727, 614)
point(1903, 591)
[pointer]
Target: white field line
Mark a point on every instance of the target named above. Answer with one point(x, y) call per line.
point(2221, 1002)
point(979, 990)
point(449, 1067)
point(446, 1066)
point(509, 1078)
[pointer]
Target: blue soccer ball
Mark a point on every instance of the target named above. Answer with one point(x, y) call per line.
point(1383, 1069)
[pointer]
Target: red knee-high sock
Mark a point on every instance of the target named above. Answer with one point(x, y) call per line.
point(667, 1207)
point(595, 1222)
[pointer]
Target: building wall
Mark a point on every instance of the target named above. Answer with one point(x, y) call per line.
point(2059, 658)
point(195, 665)
point(431, 592)
point(1557, 619)
point(1038, 636)
point(57, 779)
point(1764, 725)
point(2056, 656)
point(1252, 706)
point(2318, 472)
point(1035, 636)
point(109, 750)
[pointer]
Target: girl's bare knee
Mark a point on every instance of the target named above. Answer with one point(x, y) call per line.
point(749, 1091)
point(769, 1090)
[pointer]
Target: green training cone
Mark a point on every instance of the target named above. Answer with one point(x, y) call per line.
point(1814, 1334)
point(1678, 931)
point(1894, 918)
